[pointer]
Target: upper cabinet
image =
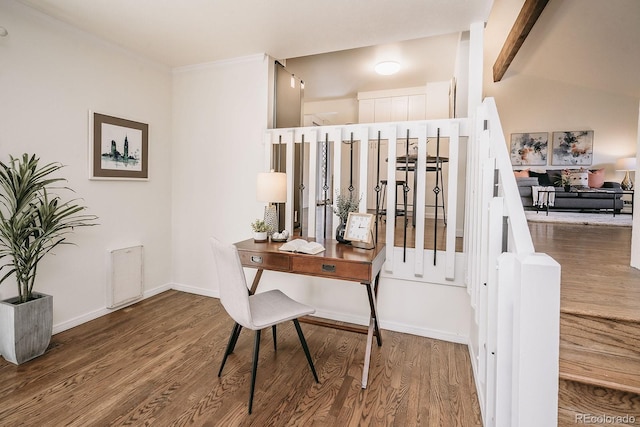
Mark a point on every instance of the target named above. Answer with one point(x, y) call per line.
point(418, 103)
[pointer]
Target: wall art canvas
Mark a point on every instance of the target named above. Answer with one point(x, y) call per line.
point(574, 148)
point(529, 149)
point(120, 148)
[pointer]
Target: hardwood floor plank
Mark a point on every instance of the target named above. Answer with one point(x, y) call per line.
point(156, 362)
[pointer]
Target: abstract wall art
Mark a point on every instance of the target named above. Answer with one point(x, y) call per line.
point(119, 148)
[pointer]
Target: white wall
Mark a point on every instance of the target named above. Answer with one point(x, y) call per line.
point(219, 117)
point(50, 77)
point(206, 127)
point(531, 104)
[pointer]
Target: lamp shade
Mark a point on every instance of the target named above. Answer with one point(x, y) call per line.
point(626, 164)
point(272, 187)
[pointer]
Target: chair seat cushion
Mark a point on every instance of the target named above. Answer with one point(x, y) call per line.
point(273, 307)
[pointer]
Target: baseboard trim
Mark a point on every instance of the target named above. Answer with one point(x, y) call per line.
point(327, 314)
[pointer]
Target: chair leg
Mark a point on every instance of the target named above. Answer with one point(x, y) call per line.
point(275, 343)
point(305, 348)
point(254, 369)
point(235, 333)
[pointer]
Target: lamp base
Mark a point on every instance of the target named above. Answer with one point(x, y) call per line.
point(271, 218)
point(626, 183)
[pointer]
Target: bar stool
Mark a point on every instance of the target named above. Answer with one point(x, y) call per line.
point(383, 190)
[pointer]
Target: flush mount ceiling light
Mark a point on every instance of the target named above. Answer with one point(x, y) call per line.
point(387, 68)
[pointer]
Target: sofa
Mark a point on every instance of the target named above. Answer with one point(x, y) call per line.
point(583, 194)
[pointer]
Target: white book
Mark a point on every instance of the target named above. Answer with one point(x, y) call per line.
point(302, 246)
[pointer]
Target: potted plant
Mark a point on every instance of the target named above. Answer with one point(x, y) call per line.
point(33, 221)
point(565, 180)
point(344, 204)
point(260, 230)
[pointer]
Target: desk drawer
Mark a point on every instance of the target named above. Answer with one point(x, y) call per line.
point(267, 261)
point(331, 268)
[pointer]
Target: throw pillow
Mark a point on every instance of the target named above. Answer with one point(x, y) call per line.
point(579, 179)
point(543, 178)
point(521, 174)
point(596, 178)
point(555, 176)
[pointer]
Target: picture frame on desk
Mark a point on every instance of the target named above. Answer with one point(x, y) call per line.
point(359, 230)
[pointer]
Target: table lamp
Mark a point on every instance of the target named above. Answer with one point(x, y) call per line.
point(626, 165)
point(271, 188)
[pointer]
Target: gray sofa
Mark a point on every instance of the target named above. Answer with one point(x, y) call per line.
point(592, 199)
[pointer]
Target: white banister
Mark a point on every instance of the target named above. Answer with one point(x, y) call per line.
point(515, 292)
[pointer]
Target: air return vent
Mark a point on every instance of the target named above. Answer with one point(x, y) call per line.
point(125, 276)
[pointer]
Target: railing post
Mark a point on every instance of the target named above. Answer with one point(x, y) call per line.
point(536, 341)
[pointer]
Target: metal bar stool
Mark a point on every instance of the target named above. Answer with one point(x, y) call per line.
point(383, 191)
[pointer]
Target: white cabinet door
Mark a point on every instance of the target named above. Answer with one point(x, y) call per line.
point(366, 111)
point(399, 108)
point(382, 111)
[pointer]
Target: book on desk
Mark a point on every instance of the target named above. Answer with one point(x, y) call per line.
point(302, 246)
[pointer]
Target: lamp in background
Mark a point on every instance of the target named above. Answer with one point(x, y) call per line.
point(628, 164)
point(271, 188)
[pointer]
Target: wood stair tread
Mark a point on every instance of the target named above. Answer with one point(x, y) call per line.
point(600, 369)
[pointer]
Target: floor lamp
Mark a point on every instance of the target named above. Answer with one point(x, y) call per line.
point(626, 165)
point(272, 189)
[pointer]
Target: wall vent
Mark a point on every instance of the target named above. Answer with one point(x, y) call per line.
point(125, 276)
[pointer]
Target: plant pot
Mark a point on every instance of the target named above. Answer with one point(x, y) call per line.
point(340, 233)
point(25, 329)
point(260, 237)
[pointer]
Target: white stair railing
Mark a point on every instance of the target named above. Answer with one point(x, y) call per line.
point(515, 292)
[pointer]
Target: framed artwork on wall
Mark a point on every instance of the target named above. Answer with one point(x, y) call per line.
point(572, 148)
point(120, 148)
point(529, 149)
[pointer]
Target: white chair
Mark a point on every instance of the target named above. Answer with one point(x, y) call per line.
point(254, 312)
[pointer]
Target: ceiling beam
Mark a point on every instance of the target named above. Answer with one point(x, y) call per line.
point(529, 14)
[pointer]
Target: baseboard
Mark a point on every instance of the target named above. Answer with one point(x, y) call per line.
point(214, 293)
point(77, 321)
point(476, 381)
point(326, 314)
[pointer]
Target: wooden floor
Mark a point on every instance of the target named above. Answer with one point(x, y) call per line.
point(156, 363)
point(596, 275)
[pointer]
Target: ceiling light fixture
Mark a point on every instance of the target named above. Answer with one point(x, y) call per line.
point(387, 68)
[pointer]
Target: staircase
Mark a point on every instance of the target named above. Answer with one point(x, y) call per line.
point(599, 370)
point(599, 323)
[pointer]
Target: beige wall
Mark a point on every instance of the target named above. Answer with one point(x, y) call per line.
point(51, 75)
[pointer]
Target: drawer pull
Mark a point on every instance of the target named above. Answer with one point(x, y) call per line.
point(256, 259)
point(330, 268)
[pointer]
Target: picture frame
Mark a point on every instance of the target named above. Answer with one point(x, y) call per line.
point(572, 148)
point(359, 228)
point(119, 148)
point(529, 149)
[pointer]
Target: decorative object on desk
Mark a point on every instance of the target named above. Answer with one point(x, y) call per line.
point(626, 165)
point(343, 206)
point(572, 148)
point(302, 246)
point(260, 230)
point(119, 148)
point(272, 189)
point(33, 221)
point(283, 236)
point(359, 230)
point(529, 148)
